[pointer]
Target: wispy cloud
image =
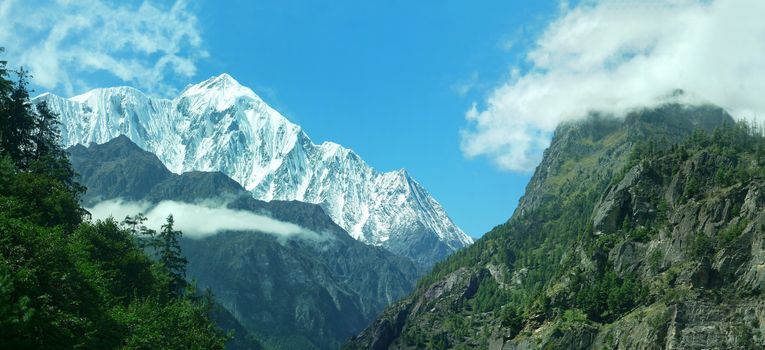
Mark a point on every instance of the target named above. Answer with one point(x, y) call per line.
point(463, 87)
point(612, 56)
point(199, 220)
point(142, 44)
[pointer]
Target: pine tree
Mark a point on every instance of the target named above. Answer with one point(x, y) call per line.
point(6, 87)
point(6, 126)
point(145, 236)
point(17, 122)
point(46, 153)
point(170, 255)
point(45, 132)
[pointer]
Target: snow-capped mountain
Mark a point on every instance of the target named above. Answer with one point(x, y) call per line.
point(220, 125)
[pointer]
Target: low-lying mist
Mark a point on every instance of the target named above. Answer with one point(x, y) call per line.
point(201, 220)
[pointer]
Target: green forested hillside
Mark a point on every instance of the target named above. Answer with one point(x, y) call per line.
point(642, 233)
point(66, 283)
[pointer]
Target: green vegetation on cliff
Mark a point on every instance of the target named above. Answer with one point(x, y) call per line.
point(638, 233)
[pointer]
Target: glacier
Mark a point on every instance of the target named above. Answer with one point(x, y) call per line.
point(220, 125)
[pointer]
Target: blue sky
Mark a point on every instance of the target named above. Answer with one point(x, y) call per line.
point(463, 94)
point(390, 79)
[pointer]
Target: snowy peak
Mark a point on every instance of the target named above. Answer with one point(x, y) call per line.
point(218, 84)
point(123, 92)
point(221, 125)
point(219, 93)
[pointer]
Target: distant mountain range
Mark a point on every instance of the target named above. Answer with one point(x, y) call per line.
point(220, 125)
point(288, 294)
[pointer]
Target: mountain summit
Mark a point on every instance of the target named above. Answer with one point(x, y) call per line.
point(220, 125)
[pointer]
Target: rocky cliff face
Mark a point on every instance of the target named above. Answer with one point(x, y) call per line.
point(220, 125)
point(290, 293)
point(633, 234)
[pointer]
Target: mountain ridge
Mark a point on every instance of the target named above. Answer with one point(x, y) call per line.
point(289, 293)
point(220, 125)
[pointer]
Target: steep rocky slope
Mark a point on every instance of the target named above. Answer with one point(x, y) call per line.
point(642, 233)
point(290, 293)
point(220, 125)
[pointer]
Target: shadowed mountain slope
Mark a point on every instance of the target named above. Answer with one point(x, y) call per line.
point(289, 293)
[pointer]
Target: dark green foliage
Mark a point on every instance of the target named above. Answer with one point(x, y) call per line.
point(511, 319)
point(642, 234)
point(733, 231)
point(733, 153)
point(93, 287)
point(730, 154)
point(41, 199)
point(45, 133)
point(702, 246)
point(16, 119)
point(136, 226)
point(415, 338)
point(489, 296)
point(610, 296)
point(439, 342)
point(179, 323)
point(169, 253)
point(744, 336)
point(654, 260)
point(68, 284)
point(5, 84)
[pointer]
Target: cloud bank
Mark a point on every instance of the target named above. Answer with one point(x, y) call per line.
point(613, 56)
point(199, 221)
point(139, 43)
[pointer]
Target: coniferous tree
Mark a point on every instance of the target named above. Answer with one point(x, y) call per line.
point(46, 136)
point(145, 236)
point(17, 123)
point(5, 84)
point(47, 155)
point(170, 255)
point(6, 87)
point(133, 223)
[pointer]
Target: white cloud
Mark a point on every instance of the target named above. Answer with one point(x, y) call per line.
point(462, 88)
point(199, 220)
point(141, 44)
point(612, 56)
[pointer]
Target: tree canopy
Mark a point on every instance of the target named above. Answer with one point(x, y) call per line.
point(66, 282)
